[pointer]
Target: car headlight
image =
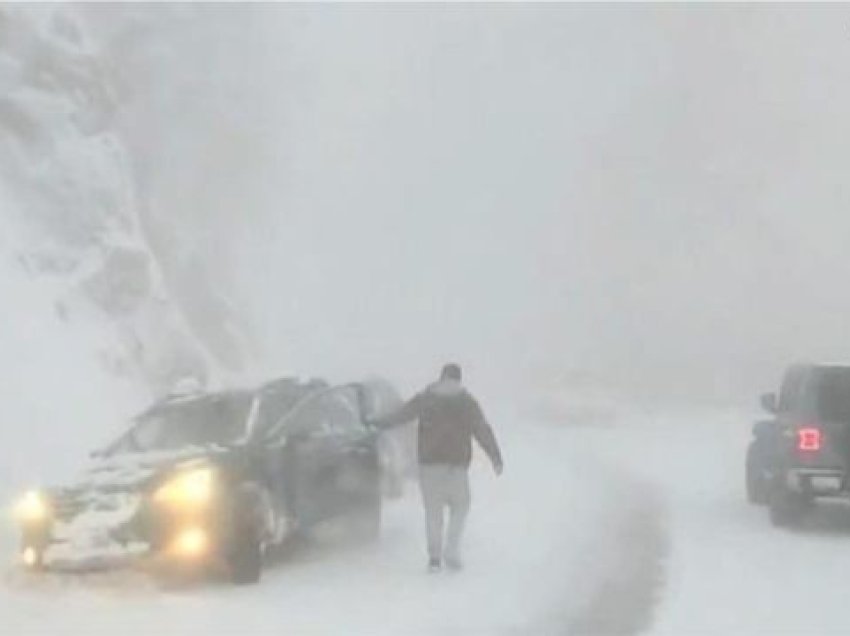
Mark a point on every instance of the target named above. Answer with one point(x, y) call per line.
point(32, 508)
point(192, 488)
point(191, 542)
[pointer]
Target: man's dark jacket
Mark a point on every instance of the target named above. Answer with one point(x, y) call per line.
point(449, 417)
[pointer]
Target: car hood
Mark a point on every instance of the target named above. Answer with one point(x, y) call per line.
point(91, 516)
point(126, 477)
point(133, 470)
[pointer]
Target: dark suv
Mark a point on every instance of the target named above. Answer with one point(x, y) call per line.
point(803, 452)
point(215, 478)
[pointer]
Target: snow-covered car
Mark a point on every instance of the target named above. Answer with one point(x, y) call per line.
point(803, 452)
point(214, 479)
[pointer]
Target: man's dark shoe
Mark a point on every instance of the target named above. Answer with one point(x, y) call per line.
point(454, 564)
point(434, 565)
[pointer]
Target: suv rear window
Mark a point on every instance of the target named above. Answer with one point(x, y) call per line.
point(833, 395)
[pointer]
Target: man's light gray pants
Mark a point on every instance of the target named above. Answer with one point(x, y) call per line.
point(444, 486)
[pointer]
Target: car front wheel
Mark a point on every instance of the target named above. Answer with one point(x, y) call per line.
point(250, 531)
point(246, 559)
point(756, 484)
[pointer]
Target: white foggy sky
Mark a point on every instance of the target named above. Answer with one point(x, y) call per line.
point(653, 194)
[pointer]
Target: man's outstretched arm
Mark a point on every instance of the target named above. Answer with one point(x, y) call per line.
point(404, 414)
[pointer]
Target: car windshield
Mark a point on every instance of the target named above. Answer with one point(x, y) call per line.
point(834, 395)
point(220, 419)
point(275, 402)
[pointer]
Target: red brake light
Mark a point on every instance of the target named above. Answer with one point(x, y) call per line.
point(809, 439)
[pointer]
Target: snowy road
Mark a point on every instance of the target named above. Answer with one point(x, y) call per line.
point(640, 526)
point(729, 571)
point(527, 546)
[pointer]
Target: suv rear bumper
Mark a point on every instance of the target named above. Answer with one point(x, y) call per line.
point(820, 482)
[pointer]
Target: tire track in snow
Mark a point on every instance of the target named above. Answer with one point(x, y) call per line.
point(626, 583)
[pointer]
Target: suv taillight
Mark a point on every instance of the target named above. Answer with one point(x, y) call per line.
point(809, 439)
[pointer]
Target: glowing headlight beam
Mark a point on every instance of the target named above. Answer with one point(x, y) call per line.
point(30, 557)
point(190, 488)
point(191, 542)
point(32, 508)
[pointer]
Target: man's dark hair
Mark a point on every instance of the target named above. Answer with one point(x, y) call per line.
point(451, 371)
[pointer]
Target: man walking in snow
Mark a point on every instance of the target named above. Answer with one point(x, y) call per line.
point(449, 417)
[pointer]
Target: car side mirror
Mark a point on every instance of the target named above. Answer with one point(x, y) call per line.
point(769, 402)
point(763, 428)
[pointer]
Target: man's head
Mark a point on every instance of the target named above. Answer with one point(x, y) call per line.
point(451, 371)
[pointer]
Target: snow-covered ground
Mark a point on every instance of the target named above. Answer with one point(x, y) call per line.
point(526, 571)
point(728, 570)
point(637, 526)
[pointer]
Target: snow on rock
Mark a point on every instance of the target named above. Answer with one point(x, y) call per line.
point(90, 330)
point(70, 196)
point(58, 399)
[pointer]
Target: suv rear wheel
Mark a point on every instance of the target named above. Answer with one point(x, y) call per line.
point(756, 484)
point(786, 507)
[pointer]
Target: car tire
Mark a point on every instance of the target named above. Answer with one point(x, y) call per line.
point(250, 533)
point(756, 485)
point(246, 559)
point(786, 508)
